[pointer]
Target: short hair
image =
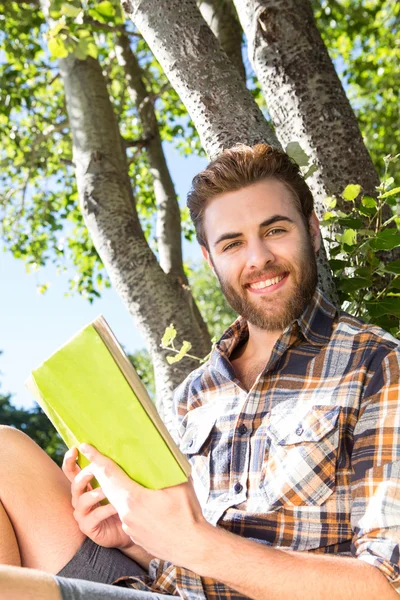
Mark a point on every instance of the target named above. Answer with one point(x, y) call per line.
point(239, 167)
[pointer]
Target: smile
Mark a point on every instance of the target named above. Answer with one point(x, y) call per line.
point(259, 285)
point(267, 286)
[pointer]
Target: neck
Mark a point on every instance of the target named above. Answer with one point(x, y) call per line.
point(259, 344)
point(260, 339)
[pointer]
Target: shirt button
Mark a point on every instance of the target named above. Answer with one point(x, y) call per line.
point(190, 444)
point(238, 488)
point(242, 429)
point(299, 430)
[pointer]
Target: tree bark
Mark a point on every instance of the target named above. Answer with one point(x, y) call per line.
point(304, 95)
point(168, 228)
point(154, 298)
point(221, 18)
point(217, 99)
point(211, 88)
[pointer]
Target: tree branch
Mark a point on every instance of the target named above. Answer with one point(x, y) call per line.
point(220, 16)
point(168, 213)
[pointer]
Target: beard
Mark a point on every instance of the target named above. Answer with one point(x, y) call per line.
point(270, 313)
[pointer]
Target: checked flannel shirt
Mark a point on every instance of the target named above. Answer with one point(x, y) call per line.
point(309, 458)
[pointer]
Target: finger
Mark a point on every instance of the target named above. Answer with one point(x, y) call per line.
point(113, 480)
point(69, 466)
point(96, 518)
point(80, 484)
point(88, 501)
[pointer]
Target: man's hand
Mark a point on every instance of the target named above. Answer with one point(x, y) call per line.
point(100, 523)
point(168, 523)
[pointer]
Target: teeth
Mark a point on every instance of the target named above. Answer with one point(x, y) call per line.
point(267, 283)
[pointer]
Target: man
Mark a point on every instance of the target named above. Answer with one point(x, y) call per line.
point(292, 429)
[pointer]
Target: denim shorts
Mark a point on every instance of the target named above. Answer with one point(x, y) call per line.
point(90, 573)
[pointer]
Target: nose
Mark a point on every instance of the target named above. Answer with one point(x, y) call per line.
point(259, 254)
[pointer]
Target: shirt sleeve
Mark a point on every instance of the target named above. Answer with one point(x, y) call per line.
point(375, 513)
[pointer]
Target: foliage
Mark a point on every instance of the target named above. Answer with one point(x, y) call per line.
point(354, 253)
point(39, 213)
point(35, 424)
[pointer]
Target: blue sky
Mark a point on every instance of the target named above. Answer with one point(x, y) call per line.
point(32, 326)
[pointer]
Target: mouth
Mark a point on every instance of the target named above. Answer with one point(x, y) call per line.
point(266, 286)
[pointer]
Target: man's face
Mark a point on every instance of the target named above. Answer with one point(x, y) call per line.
point(262, 253)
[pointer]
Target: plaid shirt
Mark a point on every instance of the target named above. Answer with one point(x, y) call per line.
point(309, 458)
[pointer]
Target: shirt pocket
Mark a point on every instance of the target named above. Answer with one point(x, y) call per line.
point(196, 443)
point(300, 467)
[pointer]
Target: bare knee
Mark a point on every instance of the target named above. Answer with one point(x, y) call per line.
point(6, 431)
point(11, 439)
point(19, 454)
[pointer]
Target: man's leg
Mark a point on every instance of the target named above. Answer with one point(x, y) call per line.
point(9, 551)
point(35, 496)
point(29, 584)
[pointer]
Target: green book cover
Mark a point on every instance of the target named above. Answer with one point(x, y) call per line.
point(91, 393)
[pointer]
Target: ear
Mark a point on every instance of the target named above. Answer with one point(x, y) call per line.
point(315, 231)
point(206, 255)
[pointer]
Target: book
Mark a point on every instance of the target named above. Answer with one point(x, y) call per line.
point(92, 394)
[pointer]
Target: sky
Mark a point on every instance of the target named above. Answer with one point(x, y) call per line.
point(33, 326)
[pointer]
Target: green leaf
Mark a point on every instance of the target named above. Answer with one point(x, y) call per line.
point(351, 192)
point(169, 335)
point(86, 47)
point(362, 272)
point(80, 50)
point(330, 202)
point(391, 192)
point(310, 171)
point(349, 237)
point(328, 216)
point(296, 152)
point(384, 307)
point(57, 28)
point(350, 222)
point(69, 10)
point(368, 202)
point(92, 49)
point(105, 9)
point(57, 48)
point(385, 240)
point(393, 267)
point(354, 284)
point(337, 264)
point(186, 346)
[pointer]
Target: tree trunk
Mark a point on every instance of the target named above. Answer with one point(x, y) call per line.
point(217, 99)
point(154, 298)
point(307, 102)
point(221, 18)
point(168, 229)
point(211, 88)
point(304, 95)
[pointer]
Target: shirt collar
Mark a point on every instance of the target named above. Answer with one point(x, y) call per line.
point(315, 323)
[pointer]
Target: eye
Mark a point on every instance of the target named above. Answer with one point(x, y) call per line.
point(230, 246)
point(276, 229)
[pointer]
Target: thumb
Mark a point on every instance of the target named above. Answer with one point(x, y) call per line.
point(113, 480)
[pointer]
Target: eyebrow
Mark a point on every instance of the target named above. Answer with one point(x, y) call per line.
point(232, 235)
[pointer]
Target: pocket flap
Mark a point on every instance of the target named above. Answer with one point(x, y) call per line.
point(200, 422)
point(312, 427)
